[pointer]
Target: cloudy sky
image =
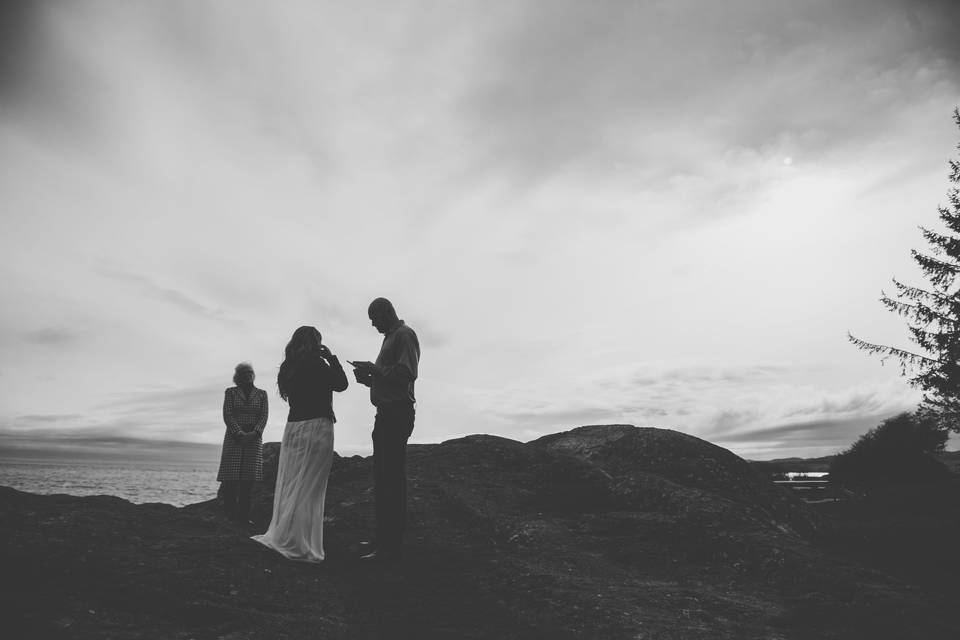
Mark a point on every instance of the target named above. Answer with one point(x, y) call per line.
point(664, 213)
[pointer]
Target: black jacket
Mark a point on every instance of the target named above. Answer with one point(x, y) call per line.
point(311, 387)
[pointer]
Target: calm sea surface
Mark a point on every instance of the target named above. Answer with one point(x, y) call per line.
point(174, 483)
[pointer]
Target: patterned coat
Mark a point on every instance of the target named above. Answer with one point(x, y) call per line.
point(243, 460)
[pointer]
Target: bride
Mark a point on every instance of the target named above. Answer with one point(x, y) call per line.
point(309, 375)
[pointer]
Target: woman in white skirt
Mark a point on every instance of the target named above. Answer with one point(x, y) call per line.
point(309, 375)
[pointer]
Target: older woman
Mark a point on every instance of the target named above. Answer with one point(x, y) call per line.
point(241, 461)
point(309, 375)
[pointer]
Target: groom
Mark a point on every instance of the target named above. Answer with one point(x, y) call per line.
point(391, 381)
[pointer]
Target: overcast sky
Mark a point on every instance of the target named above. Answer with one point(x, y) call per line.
point(663, 213)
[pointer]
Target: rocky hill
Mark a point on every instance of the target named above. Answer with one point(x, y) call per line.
point(664, 469)
point(599, 532)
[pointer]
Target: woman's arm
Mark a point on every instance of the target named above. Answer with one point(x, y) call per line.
point(337, 379)
point(232, 427)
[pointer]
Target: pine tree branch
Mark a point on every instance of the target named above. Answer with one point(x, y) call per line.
point(942, 243)
point(914, 359)
point(926, 340)
point(919, 313)
point(951, 218)
point(934, 299)
point(941, 273)
point(948, 408)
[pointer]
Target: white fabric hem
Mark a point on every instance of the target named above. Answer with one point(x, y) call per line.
point(296, 525)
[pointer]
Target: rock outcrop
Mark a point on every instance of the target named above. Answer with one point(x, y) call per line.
point(678, 473)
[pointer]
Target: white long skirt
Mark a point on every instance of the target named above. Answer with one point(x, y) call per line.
point(306, 454)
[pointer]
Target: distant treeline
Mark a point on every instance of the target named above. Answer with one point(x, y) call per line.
point(777, 469)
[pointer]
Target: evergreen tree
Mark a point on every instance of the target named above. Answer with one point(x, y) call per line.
point(898, 450)
point(933, 314)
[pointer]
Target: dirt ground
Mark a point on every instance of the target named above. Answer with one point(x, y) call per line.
point(506, 540)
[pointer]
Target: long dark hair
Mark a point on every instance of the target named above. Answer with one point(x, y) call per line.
point(304, 347)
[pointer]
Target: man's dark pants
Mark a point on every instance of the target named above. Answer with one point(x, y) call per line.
point(391, 430)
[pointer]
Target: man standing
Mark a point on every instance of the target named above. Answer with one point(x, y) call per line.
point(391, 380)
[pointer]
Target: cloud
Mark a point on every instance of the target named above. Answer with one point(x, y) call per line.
point(858, 402)
point(51, 336)
point(49, 418)
point(188, 413)
point(166, 398)
point(171, 296)
point(747, 408)
point(641, 394)
point(17, 24)
point(174, 410)
point(823, 432)
point(331, 314)
point(667, 87)
point(585, 210)
point(72, 446)
point(430, 337)
point(47, 85)
point(805, 417)
point(561, 418)
point(703, 375)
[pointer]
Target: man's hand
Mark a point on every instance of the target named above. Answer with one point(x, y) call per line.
point(325, 352)
point(363, 375)
point(363, 371)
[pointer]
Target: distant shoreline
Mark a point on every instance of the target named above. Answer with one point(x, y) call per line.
point(132, 450)
point(124, 450)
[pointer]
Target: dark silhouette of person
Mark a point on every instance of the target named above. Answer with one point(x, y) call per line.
point(245, 411)
point(391, 380)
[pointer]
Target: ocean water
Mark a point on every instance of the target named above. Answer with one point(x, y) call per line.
point(176, 483)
